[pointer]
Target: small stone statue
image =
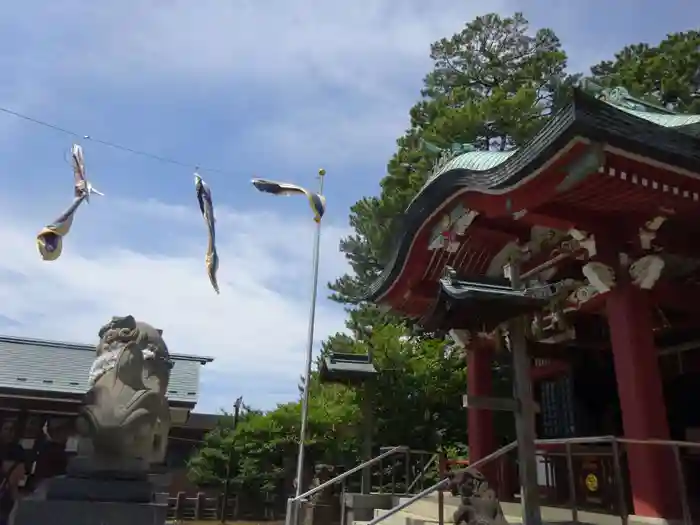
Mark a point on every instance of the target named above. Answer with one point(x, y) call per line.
point(125, 419)
point(479, 504)
point(323, 473)
point(324, 506)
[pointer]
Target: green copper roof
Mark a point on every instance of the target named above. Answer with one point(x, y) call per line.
point(620, 99)
point(471, 161)
point(661, 119)
point(475, 161)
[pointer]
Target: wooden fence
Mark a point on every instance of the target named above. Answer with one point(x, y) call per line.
point(203, 508)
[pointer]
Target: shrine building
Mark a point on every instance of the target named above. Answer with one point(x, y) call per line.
point(42, 384)
point(601, 212)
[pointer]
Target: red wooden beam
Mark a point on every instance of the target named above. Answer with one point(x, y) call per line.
point(591, 222)
point(508, 229)
point(537, 218)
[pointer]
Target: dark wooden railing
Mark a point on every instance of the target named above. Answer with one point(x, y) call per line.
point(206, 508)
point(405, 473)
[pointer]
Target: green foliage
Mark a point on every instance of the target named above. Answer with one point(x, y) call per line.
point(663, 74)
point(493, 85)
point(417, 394)
point(419, 391)
point(416, 397)
point(263, 446)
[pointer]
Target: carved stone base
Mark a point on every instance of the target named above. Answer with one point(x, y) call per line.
point(106, 468)
point(96, 499)
point(39, 512)
point(67, 488)
point(320, 514)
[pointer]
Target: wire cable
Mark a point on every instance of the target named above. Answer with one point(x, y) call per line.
point(113, 145)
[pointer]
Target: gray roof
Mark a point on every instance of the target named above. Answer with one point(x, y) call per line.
point(56, 367)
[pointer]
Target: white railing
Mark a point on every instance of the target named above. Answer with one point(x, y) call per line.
point(293, 504)
point(616, 452)
point(618, 446)
point(442, 484)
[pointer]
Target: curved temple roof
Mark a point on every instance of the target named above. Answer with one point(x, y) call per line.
point(664, 137)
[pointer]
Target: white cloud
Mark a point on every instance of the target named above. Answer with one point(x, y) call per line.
point(256, 328)
point(339, 76)
point(363, 42)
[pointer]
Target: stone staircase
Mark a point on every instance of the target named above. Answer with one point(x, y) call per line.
point(425, 512)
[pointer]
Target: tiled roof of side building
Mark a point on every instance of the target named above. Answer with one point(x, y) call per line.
point(58, 367)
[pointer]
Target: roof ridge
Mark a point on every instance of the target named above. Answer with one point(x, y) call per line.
point(45, 342)
point(87, 347)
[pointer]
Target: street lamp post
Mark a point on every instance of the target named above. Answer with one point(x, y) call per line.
point(318, 206)
point(229, 460)
point(309, 346)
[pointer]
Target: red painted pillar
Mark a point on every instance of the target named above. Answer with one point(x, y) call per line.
point(480, 422)
point(651, 467)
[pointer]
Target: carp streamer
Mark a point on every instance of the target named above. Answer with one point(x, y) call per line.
point(206, 206)
point(50, 238)
point(316, 200)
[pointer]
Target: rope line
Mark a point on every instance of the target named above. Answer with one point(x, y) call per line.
point(113, 145)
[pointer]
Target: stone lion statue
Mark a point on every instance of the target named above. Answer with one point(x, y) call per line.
point(125, 416)
point(479, 504)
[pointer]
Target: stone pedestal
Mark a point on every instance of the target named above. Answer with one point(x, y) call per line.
point(92, 496)
point(39, 512)
point(321, 514)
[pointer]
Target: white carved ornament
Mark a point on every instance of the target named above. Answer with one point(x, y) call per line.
point(451, 226)
point(645, 272)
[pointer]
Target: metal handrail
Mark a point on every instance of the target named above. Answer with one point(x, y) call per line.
point(440, 484)
point(293, 503)
point(410, 501)
point(348, 473)
point(670, 442)
point(433, 459)
point(615, 441)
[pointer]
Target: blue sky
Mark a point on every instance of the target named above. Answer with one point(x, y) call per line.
point(266, 88)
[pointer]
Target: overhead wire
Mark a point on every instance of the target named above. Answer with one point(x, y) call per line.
point(109, 144)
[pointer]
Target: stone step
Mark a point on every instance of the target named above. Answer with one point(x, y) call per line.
point(403, 517)
point(425, 512)
point(428, 509)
